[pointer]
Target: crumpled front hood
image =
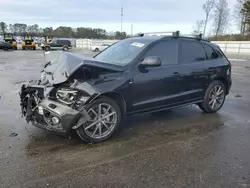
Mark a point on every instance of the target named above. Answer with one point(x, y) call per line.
point(60, 66)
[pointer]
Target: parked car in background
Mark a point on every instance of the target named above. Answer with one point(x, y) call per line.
point(134, 76)
point(98, 48)
point(5, 46)
point(57, 44)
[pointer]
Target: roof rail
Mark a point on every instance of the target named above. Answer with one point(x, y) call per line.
point(199, 37)
point(162, 33)
point(173, 33)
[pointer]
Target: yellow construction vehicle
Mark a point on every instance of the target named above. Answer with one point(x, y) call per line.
point(9, 37)
point(28, 42)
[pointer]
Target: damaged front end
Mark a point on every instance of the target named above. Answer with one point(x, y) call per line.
point(46, 113)
point(57, 101)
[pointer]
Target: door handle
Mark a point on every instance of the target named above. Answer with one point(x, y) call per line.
point(176, 74)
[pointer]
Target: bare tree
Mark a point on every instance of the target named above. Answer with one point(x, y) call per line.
point(221, 17)
point(207, 7)
point(198, 27)
point(239, 16)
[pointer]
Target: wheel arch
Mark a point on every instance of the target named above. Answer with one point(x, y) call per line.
point(116, 97)
point(224, 81)
point(65, 46)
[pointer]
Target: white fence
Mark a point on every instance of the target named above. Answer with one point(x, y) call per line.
point(238, 48)
point(234, 46)
point(87, 43)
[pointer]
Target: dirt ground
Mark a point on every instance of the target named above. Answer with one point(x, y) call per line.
point(177, 148)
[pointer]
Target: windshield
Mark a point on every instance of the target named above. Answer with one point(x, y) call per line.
point(123, 52)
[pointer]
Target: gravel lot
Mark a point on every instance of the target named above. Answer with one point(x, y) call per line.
point(177, 148)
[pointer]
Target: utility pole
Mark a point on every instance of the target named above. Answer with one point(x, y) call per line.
point(121, 17)
point(131, 29)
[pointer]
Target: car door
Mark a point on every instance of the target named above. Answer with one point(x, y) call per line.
point(153, 88)
point(193, 71)
point(60, 44)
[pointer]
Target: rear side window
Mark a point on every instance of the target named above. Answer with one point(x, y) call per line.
point(61, 42)
point(165, 50)
point(211, 53)
point(67, 42)
point(64, 42)
point(191, 51)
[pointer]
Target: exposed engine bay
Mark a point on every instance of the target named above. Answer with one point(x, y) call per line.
point(56, 101)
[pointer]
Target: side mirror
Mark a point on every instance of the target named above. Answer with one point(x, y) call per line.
point(151, 61)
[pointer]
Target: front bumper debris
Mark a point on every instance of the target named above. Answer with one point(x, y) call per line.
point(48, 114)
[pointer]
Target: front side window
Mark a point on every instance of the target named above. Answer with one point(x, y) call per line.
point(191, 51)
point(165, 50)
point(54, 42)
point(122, 52)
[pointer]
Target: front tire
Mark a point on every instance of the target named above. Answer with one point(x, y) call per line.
point(214, 97)
point(105, 118)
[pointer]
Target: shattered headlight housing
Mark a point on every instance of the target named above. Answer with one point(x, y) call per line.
point(66, 96)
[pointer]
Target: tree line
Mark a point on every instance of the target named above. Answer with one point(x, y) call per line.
point(218, 12)
point(61, 32)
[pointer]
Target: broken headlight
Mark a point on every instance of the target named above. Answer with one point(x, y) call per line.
point(66, 96)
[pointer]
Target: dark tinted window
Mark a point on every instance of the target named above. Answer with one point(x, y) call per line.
point(64, 42)
point(211, 53)
point(165, 50)
point(191, 51)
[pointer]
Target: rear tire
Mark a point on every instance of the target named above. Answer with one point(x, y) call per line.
point(15, 48)
point(5, 49)
point(34, 48)
point(98, 110)
point(97, 50)
point(214, 97)
point(47, 48)
point(65, 48)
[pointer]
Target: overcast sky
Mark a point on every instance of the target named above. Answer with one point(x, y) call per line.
point(145, 15)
